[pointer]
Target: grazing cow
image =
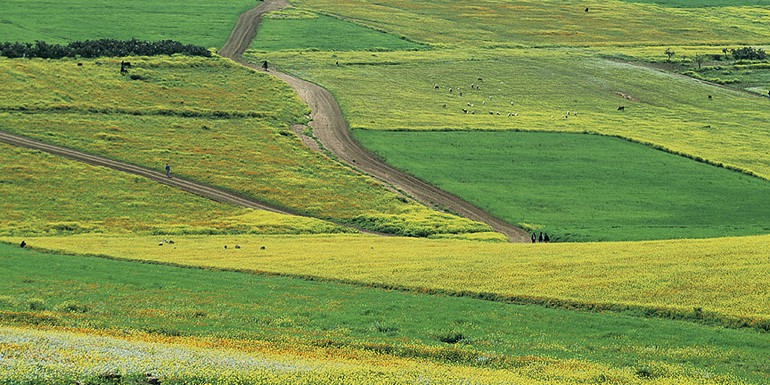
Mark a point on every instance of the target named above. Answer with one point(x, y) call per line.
point(450, 90)
point(709, 97)
point(435, 87)
point(80, 64)
point(622, 108)
point(237, 246)
point(465, 111)
point(586, 9)
point(546, 238)
point(481, 80)
point(261, 247)
point(533, 237)
point(225, 247)
point(23, 244)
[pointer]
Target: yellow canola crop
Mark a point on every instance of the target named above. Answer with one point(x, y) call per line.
point(722, 276)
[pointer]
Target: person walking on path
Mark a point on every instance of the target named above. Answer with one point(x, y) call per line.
point(168, 171)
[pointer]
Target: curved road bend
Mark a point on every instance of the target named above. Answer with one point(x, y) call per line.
point(330, 128)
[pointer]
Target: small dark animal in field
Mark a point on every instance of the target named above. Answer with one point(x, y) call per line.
point(709, 97)
point(99, 63)
point(337, 63)
point(443, 105)
point(435, 87)
point(237, 246)
point(450, 90)
point(481, 80)
point(540, 237)
point(80, 64)
point(264, 65)
point(586, 9)
point(546, 238)
point(461, 94)
point(261, 247)
point(225, 247)
point(533, 238)
point(23, 244)
point(622, 108)
point(465, 111)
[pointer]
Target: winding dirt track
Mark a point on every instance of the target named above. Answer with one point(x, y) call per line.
point(157, 176)
point(330, 128)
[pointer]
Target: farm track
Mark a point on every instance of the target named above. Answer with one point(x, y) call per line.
point(156, 176)
point(331, 129)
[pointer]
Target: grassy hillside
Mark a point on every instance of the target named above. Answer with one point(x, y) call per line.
point(721, 277)
point(197, 116)
point(200, 22)
point(395, 91)
point(581, 187)
point(161, 319)
point(71, 197)
point(557, 23)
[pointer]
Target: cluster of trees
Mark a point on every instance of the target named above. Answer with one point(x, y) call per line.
point(746, 53)
point(100, 48)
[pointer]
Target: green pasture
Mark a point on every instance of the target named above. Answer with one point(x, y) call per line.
point(704, 3)
point(171, 301)
point(581, 187)
point(199, 22)
point(292, 29)
point(71, 197)
point(555, 23)
point(212, 122)
point(396, 91)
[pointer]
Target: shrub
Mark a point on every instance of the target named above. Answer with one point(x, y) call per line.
point(99, 48)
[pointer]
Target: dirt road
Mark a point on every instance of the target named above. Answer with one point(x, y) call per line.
point(330, 128)
point(157, 176)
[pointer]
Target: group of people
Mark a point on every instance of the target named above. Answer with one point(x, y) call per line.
point(542, 238)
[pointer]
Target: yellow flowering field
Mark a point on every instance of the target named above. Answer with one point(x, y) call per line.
point(58, 357)
point(721, 279)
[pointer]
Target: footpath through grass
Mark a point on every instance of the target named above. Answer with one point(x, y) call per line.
point(202, 22)
point(299, 317)
point(45, 194)
point(581, 187)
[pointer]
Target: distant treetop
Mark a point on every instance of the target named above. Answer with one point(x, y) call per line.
point(100, 48)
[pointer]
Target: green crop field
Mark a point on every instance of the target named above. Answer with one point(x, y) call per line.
point(555, 23)
point(301, 315)
point(581, 187)
point(293, 29)
point(200, 22)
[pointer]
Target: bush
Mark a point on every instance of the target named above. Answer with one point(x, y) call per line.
point(72, 307)
point(99, 48)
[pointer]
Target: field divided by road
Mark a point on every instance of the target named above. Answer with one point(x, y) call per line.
point(196, 115)
point(71, 197)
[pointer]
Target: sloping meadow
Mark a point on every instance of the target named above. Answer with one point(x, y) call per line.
point(213, 122)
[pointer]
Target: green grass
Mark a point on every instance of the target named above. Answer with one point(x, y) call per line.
point(71, 197)
point(582, 187)
point(395, 91)
point(703, 3)
point(292, 30)
point(169, 301)
point(200, 22)
point(196, 115)
point(553, 23)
